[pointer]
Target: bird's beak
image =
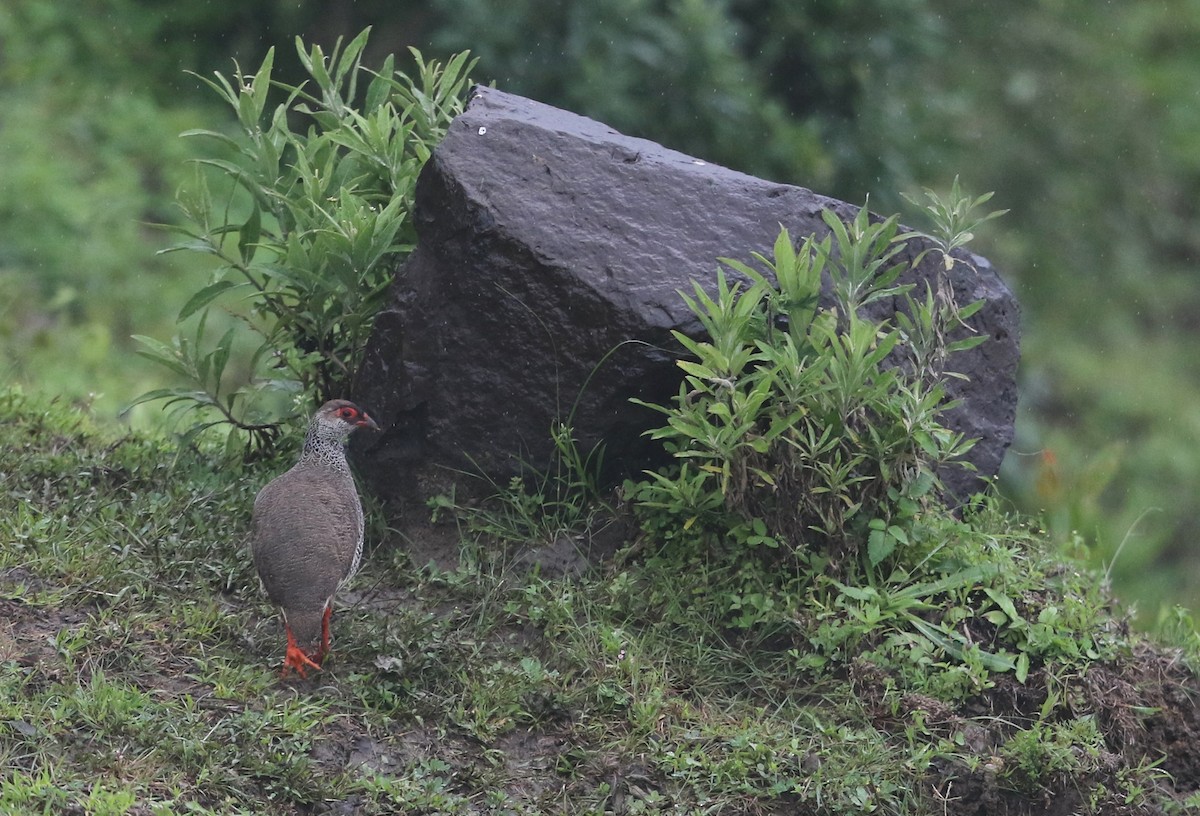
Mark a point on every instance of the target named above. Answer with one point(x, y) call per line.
point(367, 422)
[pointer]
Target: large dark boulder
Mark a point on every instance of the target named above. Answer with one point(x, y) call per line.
point(545, 285)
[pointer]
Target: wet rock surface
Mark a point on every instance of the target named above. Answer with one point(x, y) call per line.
point(545, 286)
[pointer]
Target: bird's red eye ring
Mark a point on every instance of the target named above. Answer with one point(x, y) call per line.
point(348, 413)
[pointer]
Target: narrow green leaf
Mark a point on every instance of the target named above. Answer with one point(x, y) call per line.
point(249, 234)
point(262, 85)
point(966, 343)
point(199, 245)
point(204, 297)
point(380, 88)
point(1022, 667)
point(970, 309)
point(315, 65)
point(156, 394)
point(220, 357)
point(211, 134)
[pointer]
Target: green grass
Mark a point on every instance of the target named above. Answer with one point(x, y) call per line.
point(139, 670)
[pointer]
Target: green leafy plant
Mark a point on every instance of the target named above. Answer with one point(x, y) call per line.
point(820, 422)
point(1047, 751)
point(308, 240)
point(955, 218)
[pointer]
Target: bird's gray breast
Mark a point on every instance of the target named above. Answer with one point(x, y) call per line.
point(307, 534)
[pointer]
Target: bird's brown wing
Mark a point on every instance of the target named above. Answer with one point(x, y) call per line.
point(306, 530)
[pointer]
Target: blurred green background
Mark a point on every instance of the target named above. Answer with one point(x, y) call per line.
point(1084, 118)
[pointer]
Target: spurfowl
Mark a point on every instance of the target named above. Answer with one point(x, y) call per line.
point(307, 533)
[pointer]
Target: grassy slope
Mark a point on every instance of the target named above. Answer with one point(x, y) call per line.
point(138, 674)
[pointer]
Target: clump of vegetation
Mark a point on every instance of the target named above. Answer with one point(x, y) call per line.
point(813, 430)
point(307, 254)
point(815, 423)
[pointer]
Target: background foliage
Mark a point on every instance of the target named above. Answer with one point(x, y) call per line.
point(314, 222)
point(1079, 115)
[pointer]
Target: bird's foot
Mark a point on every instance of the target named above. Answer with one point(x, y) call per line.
point(297, 659)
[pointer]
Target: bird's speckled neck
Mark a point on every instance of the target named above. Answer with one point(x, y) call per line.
point(325, 444)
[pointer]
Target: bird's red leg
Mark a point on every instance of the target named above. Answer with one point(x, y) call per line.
point(325, 639)
point(296, 658)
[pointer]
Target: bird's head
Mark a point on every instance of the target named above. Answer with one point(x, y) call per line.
point(344, 416)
